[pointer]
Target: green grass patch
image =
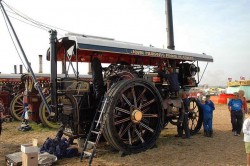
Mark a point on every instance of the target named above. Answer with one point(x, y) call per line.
point(40, 127)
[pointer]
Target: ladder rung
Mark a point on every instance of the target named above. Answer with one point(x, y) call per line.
point(95, 132)
point(87, 153)
point(90, 142)
point(96, 121)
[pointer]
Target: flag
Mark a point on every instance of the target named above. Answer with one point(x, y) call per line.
point(242, 78)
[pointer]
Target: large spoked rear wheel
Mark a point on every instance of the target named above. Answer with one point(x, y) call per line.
point(134, 119)
point(45, 117)
point(16, 107)
point(69, 107)
point(195, 117)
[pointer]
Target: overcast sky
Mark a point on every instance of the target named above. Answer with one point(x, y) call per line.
point(220, 28)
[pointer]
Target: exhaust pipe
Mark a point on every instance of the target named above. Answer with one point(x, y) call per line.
point(169, 21)
point(15, 70)
point(21, 69)
point(40, 63)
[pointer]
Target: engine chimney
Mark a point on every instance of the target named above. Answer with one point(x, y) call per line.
point(15, 70)
point(21, 69)
point(169, 21)
point(40, 63)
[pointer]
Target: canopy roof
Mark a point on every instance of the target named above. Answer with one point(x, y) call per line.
point(110, 51)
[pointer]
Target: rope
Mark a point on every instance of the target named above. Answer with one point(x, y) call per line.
point(13, 41)
point(38, 24)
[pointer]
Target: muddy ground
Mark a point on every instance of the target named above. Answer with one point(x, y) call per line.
point(223, 149)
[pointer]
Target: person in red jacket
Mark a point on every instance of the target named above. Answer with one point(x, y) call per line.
point(242, 97)
point(1, 115)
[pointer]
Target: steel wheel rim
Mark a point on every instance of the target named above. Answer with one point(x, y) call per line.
point(44, 115)
point(17, 107)
point(193, 116)
point(135, 99)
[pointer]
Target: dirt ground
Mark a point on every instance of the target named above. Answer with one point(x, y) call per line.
point(223, 149)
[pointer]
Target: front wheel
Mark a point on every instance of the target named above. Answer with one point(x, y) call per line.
point(134, 119)
point(16, 107)
point(195, 117)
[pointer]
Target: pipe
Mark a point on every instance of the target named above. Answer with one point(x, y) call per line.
point(169, 22)
point(21, 69)
point(15, 70)
point(53, 70)
point(40, 63)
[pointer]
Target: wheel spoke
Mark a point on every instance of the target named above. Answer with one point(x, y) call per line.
point(134, 97)
point(116, 116)
point(145, 120)
point(122, 120)
point(139, 135)
point(150, 115)
point(126, 129)
point(147, 127)
point(143, 111)
point(18, 108)
point(142, 94)
point(121, 129)
point(147, 103)
point(19, 103)
point(129, 137)
point(194, 122)
point(126, 99)
point(122, 110)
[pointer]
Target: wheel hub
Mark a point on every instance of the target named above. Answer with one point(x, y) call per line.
point(136, 116)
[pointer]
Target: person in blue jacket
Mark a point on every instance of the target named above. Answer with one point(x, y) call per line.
point(172, 78)
point(209, 102)
point(184, 126)
point(235, 106)
point(207, 117)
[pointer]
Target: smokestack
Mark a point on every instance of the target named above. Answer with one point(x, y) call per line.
point(169, 21)
point(15, 70)
point(21, 69)
point(40, 63)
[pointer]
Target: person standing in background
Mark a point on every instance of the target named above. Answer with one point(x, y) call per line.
point(211, 105)
point(235, 107)
point(207, 117)
point(242, 97)
point(209, 102)
point(246, 131)
point(1, 115)
point(184, 126)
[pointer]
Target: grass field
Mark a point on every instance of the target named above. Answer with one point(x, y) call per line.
point(223, 149)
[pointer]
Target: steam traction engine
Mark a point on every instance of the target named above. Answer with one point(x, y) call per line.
point(10, 86)
point(127, 101)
